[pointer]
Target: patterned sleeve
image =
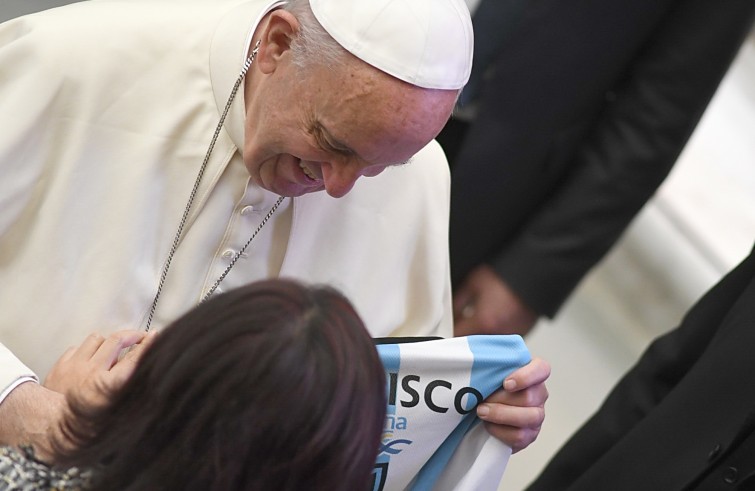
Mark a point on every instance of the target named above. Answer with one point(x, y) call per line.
point(20, 471)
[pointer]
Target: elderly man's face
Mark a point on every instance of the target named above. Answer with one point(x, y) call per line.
point(327, 131)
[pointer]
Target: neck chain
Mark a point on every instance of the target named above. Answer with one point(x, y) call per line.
point(193, 194)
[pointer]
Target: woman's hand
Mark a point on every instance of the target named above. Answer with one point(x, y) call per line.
point(95, 367)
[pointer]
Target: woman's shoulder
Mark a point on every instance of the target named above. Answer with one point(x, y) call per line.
point(20, 470)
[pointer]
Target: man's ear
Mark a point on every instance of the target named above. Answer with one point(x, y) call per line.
point(276, 37)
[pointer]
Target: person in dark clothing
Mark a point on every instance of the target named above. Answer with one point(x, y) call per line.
point(583, 106)
point(683, 418)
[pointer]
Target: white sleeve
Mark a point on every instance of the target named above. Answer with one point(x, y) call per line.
point(15, 187)
point(12, 373)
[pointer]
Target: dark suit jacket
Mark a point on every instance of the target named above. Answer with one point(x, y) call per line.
point(683, 417)
point(587, 106)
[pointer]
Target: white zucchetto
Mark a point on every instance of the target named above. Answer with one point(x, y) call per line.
point(427, 43)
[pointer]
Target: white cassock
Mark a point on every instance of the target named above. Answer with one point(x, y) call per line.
point(106, 113)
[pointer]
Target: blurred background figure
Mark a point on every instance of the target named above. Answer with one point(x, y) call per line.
point(575, 113)
point(697, 226)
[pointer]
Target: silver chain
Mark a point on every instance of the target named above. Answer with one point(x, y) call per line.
point(193, 194)
point(241, 251)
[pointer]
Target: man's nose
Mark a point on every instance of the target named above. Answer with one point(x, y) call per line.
point(339, 178)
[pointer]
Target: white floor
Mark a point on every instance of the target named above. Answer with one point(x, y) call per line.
point(700, 224)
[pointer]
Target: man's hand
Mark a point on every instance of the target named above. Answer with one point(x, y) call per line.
point(515, 413)
point(29, 416)
point(94, 366)
point(484, 304)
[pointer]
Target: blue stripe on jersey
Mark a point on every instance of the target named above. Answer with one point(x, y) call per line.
point(435, 466)
point(494, 358)
point(390, 355)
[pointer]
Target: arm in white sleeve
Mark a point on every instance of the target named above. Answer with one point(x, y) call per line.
point(12, 373)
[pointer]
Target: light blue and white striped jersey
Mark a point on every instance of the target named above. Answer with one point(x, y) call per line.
point(431, 439)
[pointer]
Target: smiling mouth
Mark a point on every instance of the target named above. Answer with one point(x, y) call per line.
point(308, 172)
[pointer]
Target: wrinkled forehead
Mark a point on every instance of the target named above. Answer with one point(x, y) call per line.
point(383, 119)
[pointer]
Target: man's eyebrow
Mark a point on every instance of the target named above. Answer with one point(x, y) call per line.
point(326, 137)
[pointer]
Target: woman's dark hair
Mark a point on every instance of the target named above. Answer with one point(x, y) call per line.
point(272, 386)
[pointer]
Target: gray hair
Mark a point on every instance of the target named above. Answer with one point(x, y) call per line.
point(313, 45)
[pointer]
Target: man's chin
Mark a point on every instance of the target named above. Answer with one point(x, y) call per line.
point(289, 188)
point(293, 190)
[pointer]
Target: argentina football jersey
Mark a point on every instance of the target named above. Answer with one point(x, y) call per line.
point(432, 439)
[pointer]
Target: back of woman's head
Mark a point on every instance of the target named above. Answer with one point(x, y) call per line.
point(271, 386)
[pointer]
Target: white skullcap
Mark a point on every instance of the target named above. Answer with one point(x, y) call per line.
point(427, 43)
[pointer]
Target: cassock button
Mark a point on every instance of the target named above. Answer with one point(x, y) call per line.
point(714, 452)
point(247, 210)
point(228, 254)
point(730, 475)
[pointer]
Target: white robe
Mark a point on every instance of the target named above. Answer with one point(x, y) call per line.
point(107, 108)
